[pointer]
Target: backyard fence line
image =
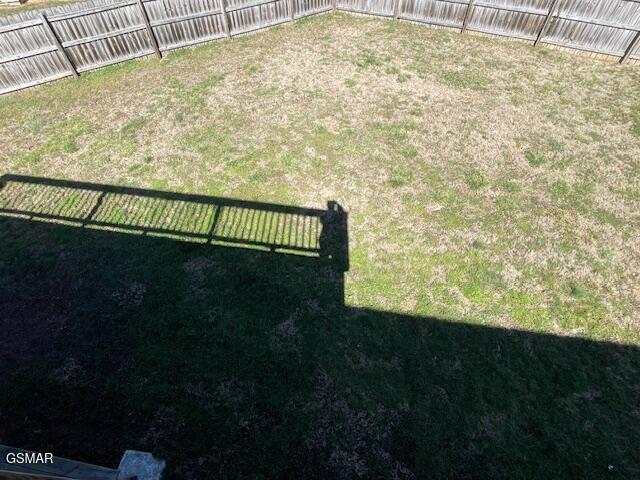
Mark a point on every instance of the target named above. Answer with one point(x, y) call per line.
point(42, 46)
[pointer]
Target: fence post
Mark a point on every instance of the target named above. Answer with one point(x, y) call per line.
point(152, 37)
point(467, 16)
point(292, 12)
point(545, 24)
point(334, 4)
point(631, 48)
point(397, 6)
point(225, 18)
point(54, 38)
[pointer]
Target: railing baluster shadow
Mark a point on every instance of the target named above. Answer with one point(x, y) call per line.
point(189, 217)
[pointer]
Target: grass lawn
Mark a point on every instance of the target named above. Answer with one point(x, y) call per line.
point(488, 324)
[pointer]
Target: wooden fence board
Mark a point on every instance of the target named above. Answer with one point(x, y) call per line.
point(505, 22)
point(104, 37)
point(372, 7)
point(590, 37)
point(189, 22)
point(305, 8)
point(247, 16)
point(436, 12)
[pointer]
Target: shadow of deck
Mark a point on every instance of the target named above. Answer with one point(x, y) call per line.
point(214, 333)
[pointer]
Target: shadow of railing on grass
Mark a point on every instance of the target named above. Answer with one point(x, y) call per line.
point(187, 217)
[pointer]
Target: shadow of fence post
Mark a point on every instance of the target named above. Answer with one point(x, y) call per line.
point(334, 239)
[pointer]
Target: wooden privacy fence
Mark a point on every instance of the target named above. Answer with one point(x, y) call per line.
point(39, 47)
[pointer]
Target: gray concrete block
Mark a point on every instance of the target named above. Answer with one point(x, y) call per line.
point(140, 465)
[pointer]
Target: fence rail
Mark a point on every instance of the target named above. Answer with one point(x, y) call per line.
point(41, 46)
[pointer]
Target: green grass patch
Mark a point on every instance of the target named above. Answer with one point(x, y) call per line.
point(465, 80)
point(475, 180)
point(60, 139)
point(367, 58)
point(534, 158)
